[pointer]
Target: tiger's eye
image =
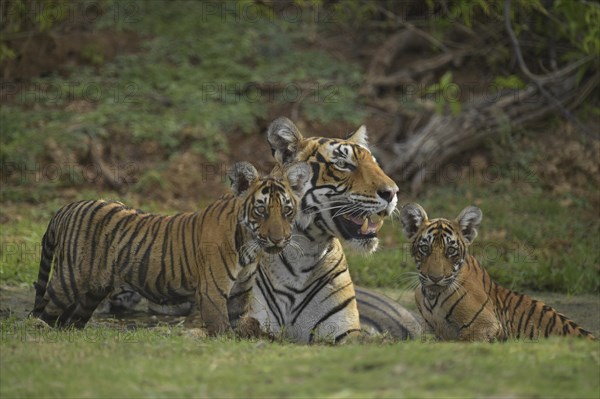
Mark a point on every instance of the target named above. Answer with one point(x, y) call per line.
point(424, 248)
point(341, 164)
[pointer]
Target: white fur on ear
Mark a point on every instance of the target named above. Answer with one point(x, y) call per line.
point(469, 220)
point(360, 136)
point(284, 137)
point(241, 176)
point(412, 217)
point(298, 174)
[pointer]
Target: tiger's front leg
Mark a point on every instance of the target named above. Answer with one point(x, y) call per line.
point(486, 327)
point(200, 316)
point(238, 308)
point(210, 312)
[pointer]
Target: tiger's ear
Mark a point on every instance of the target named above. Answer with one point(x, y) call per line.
point(412, 217)
point(359, 137)
point(241, 176)
point(284, 138)
point(469, 221)
point(298, 174)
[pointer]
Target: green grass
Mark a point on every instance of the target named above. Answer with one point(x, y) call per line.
point(164, 362)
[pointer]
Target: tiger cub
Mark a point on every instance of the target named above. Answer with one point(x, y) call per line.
point(456, 296)
point(99, 245)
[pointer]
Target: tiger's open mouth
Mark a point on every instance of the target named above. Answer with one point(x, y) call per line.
point(359, 227)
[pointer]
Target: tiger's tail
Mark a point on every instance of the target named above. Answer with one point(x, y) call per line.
point(48, 246)
point(532, 319)
point(380, 314)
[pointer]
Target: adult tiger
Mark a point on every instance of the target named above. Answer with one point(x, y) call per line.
point(98, 245)
point(457, 297)
point(306, 293)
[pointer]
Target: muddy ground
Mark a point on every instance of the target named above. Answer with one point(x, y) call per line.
point(18, 301)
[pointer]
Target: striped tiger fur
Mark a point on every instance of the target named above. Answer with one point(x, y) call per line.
point(307, 294)
point(457, 297)
point(90, 247)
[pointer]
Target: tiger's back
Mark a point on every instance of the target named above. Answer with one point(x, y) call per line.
point(457, 297)
point(96, 246)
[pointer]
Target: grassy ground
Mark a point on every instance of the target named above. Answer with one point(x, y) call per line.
point(165, 362)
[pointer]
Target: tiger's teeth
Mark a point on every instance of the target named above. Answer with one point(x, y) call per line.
point(375, 218)
point(379, 225)
point(364, 229)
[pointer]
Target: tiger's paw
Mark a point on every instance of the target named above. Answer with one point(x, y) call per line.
point(38, 323)
point(248, 327)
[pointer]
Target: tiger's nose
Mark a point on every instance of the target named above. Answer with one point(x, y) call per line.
point(388, 193)
point(436, 279)
point(279, 240)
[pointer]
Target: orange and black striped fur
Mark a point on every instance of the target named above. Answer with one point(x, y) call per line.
point(456, 296)
point(91, 247)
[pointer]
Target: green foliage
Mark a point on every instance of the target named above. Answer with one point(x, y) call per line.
point(28, 18)
point(509, 82)
point(93, 54)
point(571, 28)
point(579, 21)
point(351, 14)
point(445, 94)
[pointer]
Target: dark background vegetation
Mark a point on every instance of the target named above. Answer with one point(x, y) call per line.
point(150, 101)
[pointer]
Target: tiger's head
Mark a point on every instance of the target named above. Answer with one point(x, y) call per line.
point(269, 203)
point(439, 246)
point(348, 195)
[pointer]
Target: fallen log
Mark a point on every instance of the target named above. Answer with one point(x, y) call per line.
point(444, 137)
